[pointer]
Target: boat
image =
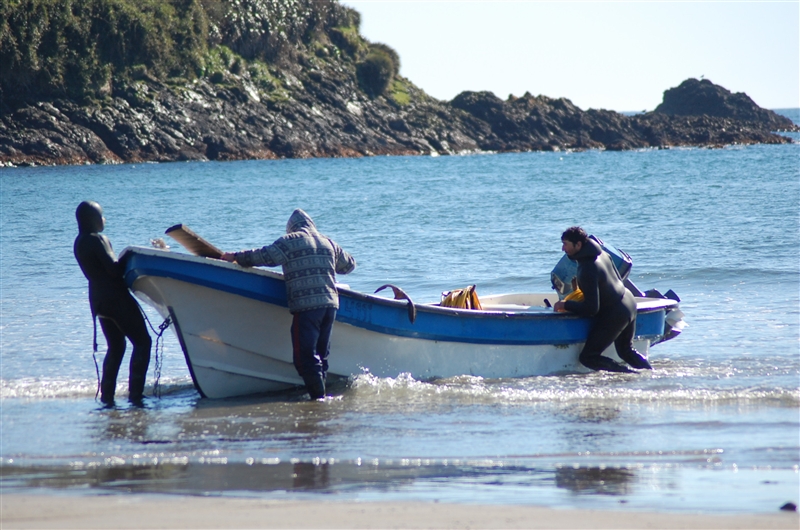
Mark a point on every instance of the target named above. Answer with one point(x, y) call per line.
point(233, 324)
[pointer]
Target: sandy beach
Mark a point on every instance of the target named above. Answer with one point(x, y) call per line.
point(146, 511)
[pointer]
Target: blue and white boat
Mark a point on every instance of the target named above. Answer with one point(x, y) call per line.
point(233, 326)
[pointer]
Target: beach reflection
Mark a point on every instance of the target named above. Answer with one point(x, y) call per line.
point(593, 413)
point(260, 425)
point(239, 425)
point(216, 478)
point(590, 427)
point(308, 476)
point(596, 480)
point(129, 425)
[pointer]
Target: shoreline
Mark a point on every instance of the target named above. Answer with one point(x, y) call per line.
point(159, 511)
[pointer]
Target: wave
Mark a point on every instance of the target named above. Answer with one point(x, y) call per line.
point(592, 389)
point(686, 383)
point(36, 388)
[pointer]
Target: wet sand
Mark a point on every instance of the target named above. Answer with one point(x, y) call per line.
point(150, 511)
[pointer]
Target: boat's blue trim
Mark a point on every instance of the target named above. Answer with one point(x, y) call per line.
point(240, 282)
point(462, 326)
point(387, 316)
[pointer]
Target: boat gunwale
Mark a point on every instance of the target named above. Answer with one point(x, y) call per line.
point(652, 305)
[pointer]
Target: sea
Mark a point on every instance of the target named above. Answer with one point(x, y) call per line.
point(714, 428)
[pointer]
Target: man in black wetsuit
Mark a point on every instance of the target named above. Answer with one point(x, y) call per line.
point(110, 300)
point(606, 299)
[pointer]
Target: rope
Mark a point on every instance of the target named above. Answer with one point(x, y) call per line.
point(96, 369)
point(159, 355)
point(159, 350)
point(94, 355)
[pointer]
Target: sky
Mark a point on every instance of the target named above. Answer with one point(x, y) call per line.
point(618, 55)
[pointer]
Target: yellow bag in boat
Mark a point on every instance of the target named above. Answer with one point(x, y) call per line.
point(574, 296)
point(456, 298)
point(465, 298)
point(473, 298)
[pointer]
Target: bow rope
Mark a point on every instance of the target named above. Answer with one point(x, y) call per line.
point(159, 350)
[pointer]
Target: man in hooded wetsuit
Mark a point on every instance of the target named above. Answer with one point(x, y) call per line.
point(110, 300)
point(606, 299)
point(310, 262)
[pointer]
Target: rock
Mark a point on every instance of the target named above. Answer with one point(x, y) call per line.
point(327, 116)
point(703, 98)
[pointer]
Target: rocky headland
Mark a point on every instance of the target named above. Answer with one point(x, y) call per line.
point(266, 79)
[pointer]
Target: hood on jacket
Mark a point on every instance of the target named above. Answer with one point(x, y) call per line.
point(589, 251)
point(90, 217)
point(298, 221)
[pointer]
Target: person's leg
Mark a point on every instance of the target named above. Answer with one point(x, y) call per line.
point(115, 339)
point(305, 334)
point(626, 351)
point(601, 335)
point(140, 361)
point(324, 340)
point(132, 323)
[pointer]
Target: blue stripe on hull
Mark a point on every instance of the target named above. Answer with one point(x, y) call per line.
point(383, 315)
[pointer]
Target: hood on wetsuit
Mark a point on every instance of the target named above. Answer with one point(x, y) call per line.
point(590, 249)
point(298, 221)
point(90, 217)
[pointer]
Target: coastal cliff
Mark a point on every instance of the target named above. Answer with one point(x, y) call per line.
point(96, 81)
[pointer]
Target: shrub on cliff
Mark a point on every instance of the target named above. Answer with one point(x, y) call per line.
point(378, 69)
point(347, 39)
point(345, 33)
point(389, 52)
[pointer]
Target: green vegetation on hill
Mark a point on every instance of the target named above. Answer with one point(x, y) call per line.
point(75, 47)
point(84, 49)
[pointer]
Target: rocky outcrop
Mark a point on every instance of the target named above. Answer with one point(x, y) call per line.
point(324, 114)
point(541, 123)
point(703, 98)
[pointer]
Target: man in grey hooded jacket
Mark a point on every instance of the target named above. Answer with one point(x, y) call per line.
point(310, 262)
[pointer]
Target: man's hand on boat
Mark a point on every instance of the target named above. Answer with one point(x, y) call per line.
point(228, 256)
point(558, 307)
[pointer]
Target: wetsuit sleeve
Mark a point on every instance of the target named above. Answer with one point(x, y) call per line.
point(345, 263)
point(587, 281)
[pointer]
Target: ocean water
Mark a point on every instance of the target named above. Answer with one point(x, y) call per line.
point(714, 428)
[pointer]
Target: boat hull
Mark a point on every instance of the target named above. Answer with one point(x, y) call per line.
point(233, 326)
